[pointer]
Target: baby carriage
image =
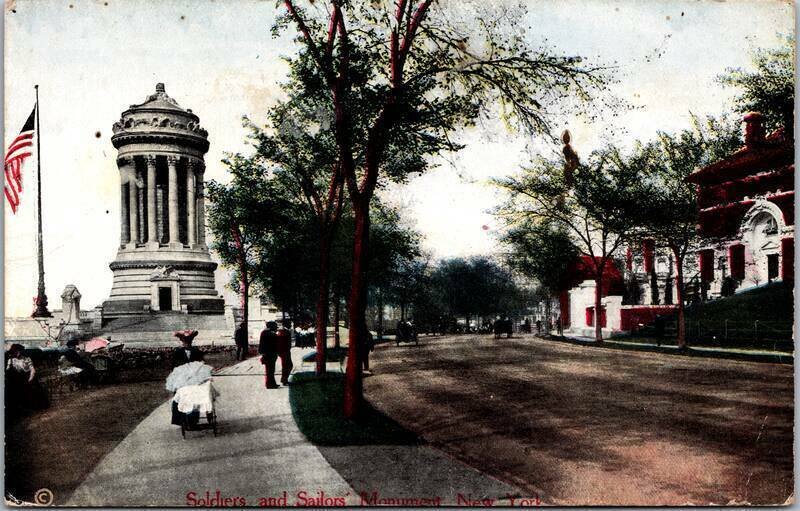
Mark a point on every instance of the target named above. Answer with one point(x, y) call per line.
point(194, 397)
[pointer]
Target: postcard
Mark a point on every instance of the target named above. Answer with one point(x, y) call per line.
point(399, 253)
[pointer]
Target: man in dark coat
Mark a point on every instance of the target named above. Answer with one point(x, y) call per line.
point(268, 348)
point(186, 353)
point(285, 350)
point(240, 336)
point(366, 345)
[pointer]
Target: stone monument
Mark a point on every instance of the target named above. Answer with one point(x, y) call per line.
point(163, 264)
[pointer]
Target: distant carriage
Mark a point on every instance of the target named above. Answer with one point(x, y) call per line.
point(406, 333)
point(503, 326)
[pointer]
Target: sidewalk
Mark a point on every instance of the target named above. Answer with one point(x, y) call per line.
point(259, 452)
point(774, 357)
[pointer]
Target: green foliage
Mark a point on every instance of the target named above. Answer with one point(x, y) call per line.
point(768, 89)
point(542, 251)
point(249, 205)
point(595, 207)
point(476, 287)
point(770, 303)
point(399, 84)
point(668, 212)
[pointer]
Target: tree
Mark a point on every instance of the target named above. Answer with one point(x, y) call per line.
point(400, 82)
point(476, 287)
point(669, 211)
point(595, 204)
point(242, 217)
point(544, 252)
point(393, 247)
point(768, 89)
point(303, 153)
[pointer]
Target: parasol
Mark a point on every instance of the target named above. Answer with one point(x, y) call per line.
point(95, 344)
point(193, 373)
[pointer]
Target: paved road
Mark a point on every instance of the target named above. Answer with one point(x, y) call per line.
point(260, 453)
point(585, 425)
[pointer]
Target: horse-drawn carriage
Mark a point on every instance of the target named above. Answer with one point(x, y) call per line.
point(503, 326)
point(406, 333)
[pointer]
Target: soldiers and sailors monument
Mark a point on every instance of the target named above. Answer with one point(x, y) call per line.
point(163, 265)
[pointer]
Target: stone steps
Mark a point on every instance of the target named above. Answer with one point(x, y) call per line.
point(157, 329)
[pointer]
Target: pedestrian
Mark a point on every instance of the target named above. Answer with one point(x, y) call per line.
point(366, 345)
point(560, 325)
point(186, 352)
point(285, 350)
point(268, 349)
point(240, 337)
point(538, 326)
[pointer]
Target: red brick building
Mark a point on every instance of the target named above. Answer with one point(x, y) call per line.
point(746, 210)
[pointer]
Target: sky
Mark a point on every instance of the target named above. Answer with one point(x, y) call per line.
point(94, 58)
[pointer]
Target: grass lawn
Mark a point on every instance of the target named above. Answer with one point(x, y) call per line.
point(317, 409)
point(331, 355)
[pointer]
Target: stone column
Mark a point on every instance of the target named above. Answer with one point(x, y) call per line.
point(152, 229)
point(201, 206)
point(191, 224)
point(124, 234)
point(133, 206)
point(140, 200)
point(172, 200)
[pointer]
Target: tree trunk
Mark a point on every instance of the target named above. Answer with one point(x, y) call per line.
point(322, 303)
point(380, 314)
point(548, 323)
point(598, 304)
point(654, 297)
point(336, 306)
point(679, 296)
point(244, 284)
point(244, 292)
point(353, 386)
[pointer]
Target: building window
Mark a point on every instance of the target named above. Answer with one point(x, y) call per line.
point(648, 252)
point(773, 263)
point(707, 265)
point(787, 254)
point(736, 259)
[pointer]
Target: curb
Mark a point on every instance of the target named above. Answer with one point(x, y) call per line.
point(704, 353)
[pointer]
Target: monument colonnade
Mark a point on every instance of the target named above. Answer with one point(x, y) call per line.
point(144, 216)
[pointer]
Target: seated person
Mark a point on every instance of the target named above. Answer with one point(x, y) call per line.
point(23, 390)
point(73, 358)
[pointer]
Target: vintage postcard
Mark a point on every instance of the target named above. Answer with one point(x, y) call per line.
point(405, 253)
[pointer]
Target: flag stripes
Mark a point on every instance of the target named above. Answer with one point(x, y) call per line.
point(16, 155)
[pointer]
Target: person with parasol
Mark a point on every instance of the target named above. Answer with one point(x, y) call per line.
point(186, 352)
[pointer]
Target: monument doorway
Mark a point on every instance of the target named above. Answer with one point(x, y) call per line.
point(165, 298)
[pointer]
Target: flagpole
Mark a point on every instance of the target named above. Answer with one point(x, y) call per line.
point(41, 298)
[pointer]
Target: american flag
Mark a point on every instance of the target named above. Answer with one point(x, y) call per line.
point(18, 152)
